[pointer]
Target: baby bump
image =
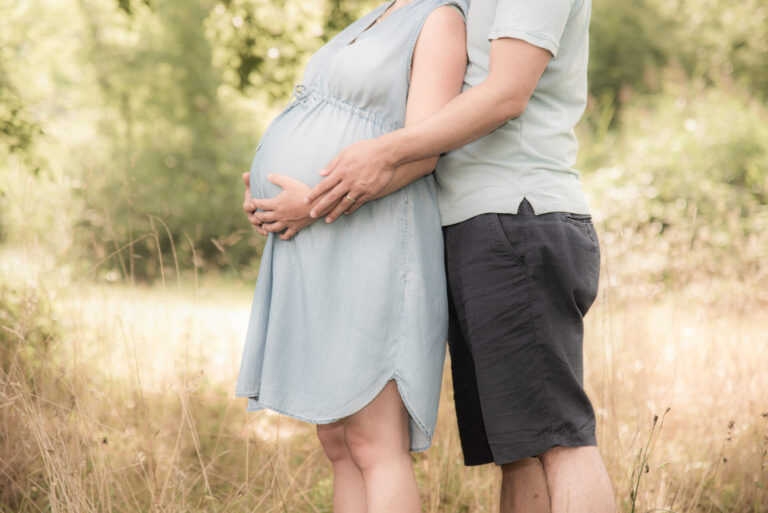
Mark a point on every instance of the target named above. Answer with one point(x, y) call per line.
point(301, 141)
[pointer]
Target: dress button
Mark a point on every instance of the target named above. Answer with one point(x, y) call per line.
point(300, 91)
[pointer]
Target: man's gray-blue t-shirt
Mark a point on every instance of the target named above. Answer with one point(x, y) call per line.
point(531, 156)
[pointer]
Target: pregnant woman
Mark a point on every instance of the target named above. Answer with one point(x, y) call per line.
point(349, 320)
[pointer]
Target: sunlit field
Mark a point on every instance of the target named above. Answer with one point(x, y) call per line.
point(120, 398)
point(127, 266)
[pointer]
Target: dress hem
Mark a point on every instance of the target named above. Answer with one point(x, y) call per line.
point(378, 389)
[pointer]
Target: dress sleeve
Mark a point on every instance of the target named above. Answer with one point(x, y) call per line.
point(460, 5)
point(538, 22)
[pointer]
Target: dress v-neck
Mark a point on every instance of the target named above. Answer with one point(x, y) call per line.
point(375, 21)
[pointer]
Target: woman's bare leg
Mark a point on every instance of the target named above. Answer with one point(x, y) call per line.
point(348, 487)
point(378, 439)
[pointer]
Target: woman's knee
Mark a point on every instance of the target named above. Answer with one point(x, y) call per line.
point(332, 440)
point(369, 448)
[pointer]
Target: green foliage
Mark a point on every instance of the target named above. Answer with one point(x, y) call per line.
point(633, 40)
point(262, 46)
point(629, 40)
point(174, 147)
point(685, 183)
point(723, 41)
point(132, 120)
point(18, 128)
point(27, 328)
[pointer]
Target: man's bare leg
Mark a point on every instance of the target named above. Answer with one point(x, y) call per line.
point(577, 480)
point(524, 487)
point(562, 480)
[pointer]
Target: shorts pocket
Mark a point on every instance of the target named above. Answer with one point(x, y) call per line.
point(583, 221)
point(508, 230)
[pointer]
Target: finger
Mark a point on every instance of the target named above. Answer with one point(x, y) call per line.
point(362, 200)
point(324, 186)
point(256, 224)
point(333, 207)
point(254, 219)
point(275, 227)
point(247, 182)
point(260, 228)
point(329, 167)
point(330, 198)
point(264, 204)
point(267, 217)
point(288, 235)
point(248, 206)
point(283, 181)
point(339, 209)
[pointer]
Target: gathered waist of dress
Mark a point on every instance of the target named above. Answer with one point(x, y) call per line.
point(310, 95)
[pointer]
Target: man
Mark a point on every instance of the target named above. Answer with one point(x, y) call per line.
point(522, 257)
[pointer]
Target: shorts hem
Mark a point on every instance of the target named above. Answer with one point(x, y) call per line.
point(522, 450)
point(527, 450)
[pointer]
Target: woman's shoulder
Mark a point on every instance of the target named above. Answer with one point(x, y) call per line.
point(445, 15)
point(459, 6)
point(442, 36)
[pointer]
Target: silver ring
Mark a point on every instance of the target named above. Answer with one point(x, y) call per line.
point(350, 198)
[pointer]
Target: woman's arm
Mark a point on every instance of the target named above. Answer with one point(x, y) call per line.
point(437, 75)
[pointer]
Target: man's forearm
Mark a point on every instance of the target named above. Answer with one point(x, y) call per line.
point(407, 174)
point(471, 115)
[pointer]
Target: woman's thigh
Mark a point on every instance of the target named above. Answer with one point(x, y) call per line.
point(381, 428)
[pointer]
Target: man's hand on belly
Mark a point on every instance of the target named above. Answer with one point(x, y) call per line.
point(347, 187)
point(286, 213)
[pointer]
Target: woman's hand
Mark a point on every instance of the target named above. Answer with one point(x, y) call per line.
point(284, 213)
point(250, 210)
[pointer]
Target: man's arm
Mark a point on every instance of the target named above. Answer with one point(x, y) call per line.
point(437, 76)
point(363, 169)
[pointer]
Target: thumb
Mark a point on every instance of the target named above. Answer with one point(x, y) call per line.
point(247, 179)
point(250, 206)
point(280, 180)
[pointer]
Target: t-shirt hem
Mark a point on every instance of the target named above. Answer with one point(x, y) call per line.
point(459, 215)
point(534, 39)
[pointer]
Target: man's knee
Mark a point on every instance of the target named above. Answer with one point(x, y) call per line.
point(568, 459)
point(524, 465)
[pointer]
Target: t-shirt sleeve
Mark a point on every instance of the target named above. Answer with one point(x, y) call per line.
point(538, 22)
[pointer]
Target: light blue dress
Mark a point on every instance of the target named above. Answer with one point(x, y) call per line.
point(342, 309)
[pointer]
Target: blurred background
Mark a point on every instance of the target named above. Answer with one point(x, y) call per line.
point(127, 265)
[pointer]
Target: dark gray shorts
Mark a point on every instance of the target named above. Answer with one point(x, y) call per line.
point(519, 286)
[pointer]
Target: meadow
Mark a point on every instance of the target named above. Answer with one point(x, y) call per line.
point(127, 266)
point(119, 397)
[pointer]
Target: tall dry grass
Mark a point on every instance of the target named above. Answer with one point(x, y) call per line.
point(124, 403)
